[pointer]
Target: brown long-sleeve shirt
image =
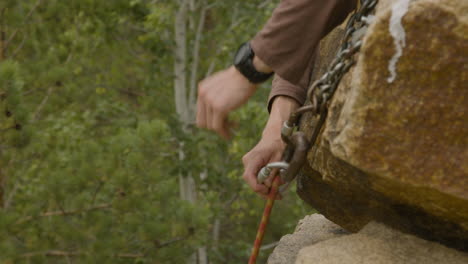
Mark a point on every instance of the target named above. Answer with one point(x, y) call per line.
point(289, 40)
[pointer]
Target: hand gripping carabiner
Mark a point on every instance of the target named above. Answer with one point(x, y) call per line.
point(289, 170)
point(266, 171)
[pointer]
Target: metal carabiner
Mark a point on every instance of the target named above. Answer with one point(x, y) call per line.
point(301, 147)
point(288, 171)
point(266, 171)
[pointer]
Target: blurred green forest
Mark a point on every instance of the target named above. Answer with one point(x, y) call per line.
point(100, 161)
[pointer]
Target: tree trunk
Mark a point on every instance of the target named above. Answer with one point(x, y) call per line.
point(2, 35)
point(180, 64)
point(185, 101)
point(2, 57)
point(2, 44)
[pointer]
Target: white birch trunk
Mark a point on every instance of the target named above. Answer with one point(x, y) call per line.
point(180, 64)
point(216, 233)
point(196, 59)
point(185, 94)
point(186, 182)
point(202, 256)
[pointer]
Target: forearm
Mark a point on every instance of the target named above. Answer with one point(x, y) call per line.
point(281, 108)
point(270, 147)
point(281, 87)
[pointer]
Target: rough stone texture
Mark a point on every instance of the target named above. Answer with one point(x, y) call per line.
point(378, 244)
point(398, 152)
point(310, 230)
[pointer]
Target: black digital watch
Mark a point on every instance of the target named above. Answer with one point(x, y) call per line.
point(243, 61)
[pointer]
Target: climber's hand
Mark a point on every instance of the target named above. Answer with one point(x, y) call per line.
point(267, 150)
point(218, 95)
point(270, 147)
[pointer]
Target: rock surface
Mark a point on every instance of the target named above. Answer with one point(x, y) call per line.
point(378, 244)
point(397, 152)
point(310, 230)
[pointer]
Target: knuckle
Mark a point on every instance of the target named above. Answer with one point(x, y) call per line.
point(216, 105)
point(245, 158)
point(257, 188)
point(216, 125)
point(245, 177)
point(210, 101)
point(200, 124)
point(200, 85)
point(202, 91)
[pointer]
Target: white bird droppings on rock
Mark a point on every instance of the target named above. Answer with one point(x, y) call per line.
point(399, 9)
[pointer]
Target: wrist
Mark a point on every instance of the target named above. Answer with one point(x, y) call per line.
point(249, 65)
point(239, 76)
point(261, 66)
point(281, 109)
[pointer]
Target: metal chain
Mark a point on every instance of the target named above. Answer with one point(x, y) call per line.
point(319, 95)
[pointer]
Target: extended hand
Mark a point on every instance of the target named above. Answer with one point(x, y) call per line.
point(218, 95)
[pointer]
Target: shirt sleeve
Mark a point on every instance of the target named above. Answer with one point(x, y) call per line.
point(289, 40)
point(281, 87)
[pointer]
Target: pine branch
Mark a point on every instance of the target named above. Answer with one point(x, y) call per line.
point(7, 128)
point(13, 35)
point(63, 213)
point(170, 242)
point(72, 212)
point(101, 183)
point(235, 21)
point(264, 4)
point(131, 93)
point(269, 246)
point(61, 253)
point(2, 34)
point(20, 46)
point(159, 245)
point(41, 105)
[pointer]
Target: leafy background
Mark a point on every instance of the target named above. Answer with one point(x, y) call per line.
point(93, 149)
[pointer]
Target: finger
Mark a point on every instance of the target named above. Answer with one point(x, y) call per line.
point(250, 176)
point(219, 124)
point(269, 181)
point(251, 179)
point(208, 116)
point(256, 187)
point(201, 115)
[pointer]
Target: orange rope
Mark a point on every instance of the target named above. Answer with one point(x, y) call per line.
point(265, 218)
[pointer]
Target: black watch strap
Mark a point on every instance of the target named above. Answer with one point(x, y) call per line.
point(243, 62)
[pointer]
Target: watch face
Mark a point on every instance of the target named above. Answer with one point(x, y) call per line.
point(242, 54)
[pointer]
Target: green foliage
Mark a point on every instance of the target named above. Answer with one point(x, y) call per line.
point(90, 144)
point(14, 115)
